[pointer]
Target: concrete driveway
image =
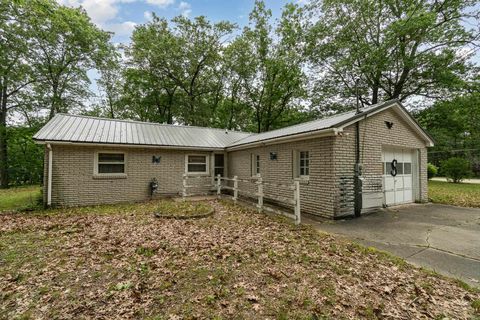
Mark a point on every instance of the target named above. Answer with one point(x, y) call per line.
point(442, 238)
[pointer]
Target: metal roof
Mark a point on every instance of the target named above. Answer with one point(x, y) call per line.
point(84, 129)
point(315, 125)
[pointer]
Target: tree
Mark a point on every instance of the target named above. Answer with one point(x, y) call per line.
point(110, 83)
point(182, 62)
point(272, 76)
point(456, 169)
point(455, 126)
point(397, 49)
point(66, 45)
point(15, 70)
point(27, 167)
point(45, 52)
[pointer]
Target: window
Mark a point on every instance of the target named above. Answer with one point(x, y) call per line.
point(304, 163)
point(197, 164)
point(110, 163)
point(407, 168)
point(254, 164)
point(219, 164)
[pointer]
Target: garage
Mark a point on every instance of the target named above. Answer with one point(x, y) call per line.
point(399, 174)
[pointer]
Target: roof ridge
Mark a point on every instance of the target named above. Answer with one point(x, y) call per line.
point(149, 123)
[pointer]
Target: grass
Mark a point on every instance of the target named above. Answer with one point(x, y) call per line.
point(19, 198)
point(457, 194)
point(119, 261)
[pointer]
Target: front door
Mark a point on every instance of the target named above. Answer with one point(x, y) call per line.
point(397, 175)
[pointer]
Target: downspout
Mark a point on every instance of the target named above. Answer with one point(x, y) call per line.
point(357, 183)
point(50, 166)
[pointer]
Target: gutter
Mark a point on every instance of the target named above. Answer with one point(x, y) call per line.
point(50, 166)
point(120, 145)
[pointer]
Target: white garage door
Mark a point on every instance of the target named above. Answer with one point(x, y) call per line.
point(397, 176)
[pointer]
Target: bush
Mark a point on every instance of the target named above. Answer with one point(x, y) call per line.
point(432, 170)
point(456, 169)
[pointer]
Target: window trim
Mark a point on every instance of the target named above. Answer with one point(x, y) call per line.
point(110, 175)
point(254, 169)
point(296, 165)
point(207, 164)
point(303, 176)
point(257, 164)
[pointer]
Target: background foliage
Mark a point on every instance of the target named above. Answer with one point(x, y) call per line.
point(268, 74)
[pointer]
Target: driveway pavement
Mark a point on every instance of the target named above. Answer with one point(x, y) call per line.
point(440, 237)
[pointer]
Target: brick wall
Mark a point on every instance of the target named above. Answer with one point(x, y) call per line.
point(74, 183)
point(317, 194)
point(332, 158)
point(374, 135)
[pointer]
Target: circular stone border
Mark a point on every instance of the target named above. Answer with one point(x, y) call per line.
point(185, 217)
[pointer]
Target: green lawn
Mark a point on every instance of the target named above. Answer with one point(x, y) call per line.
point(19, 198)
point(458, 194)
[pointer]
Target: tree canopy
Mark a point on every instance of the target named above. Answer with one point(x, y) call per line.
point(268, 74)
point(397, 49)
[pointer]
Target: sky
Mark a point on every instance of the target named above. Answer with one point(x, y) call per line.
point(121, 16)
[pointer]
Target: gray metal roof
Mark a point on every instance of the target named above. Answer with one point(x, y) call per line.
point(83, 129)
point(315, 125)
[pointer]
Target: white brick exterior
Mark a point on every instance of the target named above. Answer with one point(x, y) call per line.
point(331, 157)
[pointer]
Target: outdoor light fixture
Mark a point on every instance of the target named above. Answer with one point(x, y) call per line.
point(156, 159)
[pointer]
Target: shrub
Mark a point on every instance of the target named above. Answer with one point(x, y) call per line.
point(432, 170)
point(456, 169)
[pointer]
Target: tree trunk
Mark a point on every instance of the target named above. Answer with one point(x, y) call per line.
point(3, 137)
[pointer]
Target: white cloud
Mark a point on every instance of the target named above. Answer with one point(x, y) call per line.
point(100, 11)
point(105, 13)
point(148, 15)
point(121, 29)
point(161, 3)
point(185, 8)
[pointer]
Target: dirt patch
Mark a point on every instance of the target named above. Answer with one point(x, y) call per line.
point(122, 262)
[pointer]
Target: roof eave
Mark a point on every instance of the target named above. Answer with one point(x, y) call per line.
point(125, 145)
point(289, 138)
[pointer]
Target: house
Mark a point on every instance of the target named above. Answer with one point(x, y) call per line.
point(92, 160)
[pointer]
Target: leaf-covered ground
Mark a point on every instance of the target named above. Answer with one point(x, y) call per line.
point(457, 194)
point(120, 262)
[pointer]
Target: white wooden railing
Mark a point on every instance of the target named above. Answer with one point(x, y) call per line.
point(197, 182)
point(259, 194)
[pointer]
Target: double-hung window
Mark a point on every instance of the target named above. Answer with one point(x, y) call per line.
point(197, 164)
point(301, 164)
point(110, 163)
point(304, 163)
point(255, 164)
